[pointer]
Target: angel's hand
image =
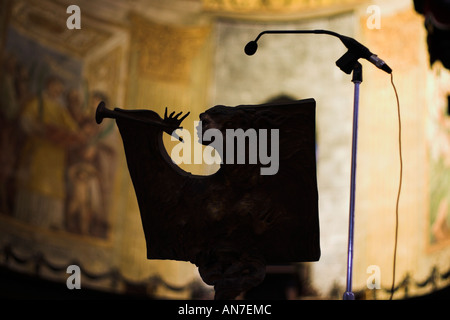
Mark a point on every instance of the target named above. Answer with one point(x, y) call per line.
point(173, 122)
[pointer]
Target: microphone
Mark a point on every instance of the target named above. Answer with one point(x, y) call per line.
point(251, 48)
point(346, 63)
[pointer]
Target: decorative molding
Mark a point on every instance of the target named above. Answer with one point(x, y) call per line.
point(278, 9)
point(38, 262)
point(408, 283)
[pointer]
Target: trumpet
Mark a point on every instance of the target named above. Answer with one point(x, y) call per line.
point(103, 112)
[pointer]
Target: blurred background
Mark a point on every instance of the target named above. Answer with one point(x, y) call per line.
point(65, 193)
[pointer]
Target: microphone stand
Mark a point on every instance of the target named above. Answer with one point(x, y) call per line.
point(348, 63)
point(356, 79)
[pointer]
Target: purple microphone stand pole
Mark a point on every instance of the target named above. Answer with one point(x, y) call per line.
point(356, 79)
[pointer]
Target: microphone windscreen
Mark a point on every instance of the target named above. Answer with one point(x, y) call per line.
point(250, 48)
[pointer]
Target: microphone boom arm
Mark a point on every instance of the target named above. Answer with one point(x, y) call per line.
point(346, 63)
point(332, 33)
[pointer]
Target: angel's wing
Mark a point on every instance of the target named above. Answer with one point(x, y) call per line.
point(286, 202)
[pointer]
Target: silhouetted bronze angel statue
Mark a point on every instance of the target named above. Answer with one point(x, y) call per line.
point(236, 221)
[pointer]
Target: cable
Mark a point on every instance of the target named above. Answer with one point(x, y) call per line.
point(399, 186)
